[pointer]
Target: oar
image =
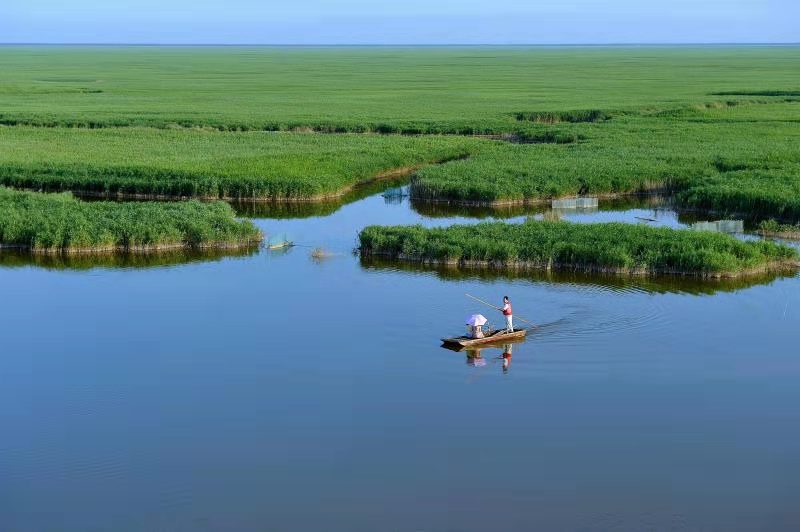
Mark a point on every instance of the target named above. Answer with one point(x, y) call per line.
point(520, 318)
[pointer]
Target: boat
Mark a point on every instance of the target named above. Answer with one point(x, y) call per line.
point(494, 336)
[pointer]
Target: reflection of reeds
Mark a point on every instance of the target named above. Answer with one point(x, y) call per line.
point(655, 284)
point(87, 261)
point(551, 216)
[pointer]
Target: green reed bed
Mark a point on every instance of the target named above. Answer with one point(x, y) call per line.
point(59, 223)
point(773, 228)
point(612, 247)
point(209, 164)
point(723, 159)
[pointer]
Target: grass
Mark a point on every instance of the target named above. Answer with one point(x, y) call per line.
point(209, 164)
point(773, 228)
point(59, 223)
point(613, 247)
point(417, 90)
point(718, 126)
point(733, 158)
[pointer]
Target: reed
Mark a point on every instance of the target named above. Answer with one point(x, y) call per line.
point(609, 248)
point(59, 223)
point(153, 163)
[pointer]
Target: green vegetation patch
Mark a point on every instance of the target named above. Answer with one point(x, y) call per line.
point(210, 164)
point(556, 117)
point(389, 89)
point(740, 159)
point(611, 247)
point(59, 223)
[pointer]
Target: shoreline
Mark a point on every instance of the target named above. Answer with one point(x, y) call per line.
point(388, 175)
point(654, 191)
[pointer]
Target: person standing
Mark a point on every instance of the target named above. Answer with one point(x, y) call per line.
point(508, 313)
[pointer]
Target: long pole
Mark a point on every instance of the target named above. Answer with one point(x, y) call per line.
point(520, 318)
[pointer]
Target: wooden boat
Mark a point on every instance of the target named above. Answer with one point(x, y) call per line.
point(495, 336)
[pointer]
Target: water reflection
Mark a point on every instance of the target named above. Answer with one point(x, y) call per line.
point(308, 209)
point(654, 284)
point(88, 261)
point(476, 359)
point(446, 210)
point(506, 356)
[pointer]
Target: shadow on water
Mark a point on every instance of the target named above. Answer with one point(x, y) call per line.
point(309, 209)
point(444, 210)
point(88, 261)
point(652, 284)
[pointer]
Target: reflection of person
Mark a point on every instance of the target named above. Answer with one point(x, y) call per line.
point(506, 356)
point(509, 314)
point(474, 358)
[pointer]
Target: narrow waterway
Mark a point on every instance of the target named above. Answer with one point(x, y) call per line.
point(275, 391)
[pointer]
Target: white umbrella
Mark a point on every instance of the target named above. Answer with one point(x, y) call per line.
point(476, 320)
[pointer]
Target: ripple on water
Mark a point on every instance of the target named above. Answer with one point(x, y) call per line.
point(581, 313)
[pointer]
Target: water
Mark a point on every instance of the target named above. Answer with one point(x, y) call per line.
point(272, 391)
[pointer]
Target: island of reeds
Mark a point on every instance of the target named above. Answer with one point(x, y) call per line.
point(59, 223)
point(603, 248)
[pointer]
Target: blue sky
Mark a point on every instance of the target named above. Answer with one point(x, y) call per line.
point(399, 21)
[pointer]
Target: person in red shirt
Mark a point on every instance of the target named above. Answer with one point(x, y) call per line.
point(508, 313)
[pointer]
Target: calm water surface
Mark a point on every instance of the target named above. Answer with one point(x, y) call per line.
point(270, 391)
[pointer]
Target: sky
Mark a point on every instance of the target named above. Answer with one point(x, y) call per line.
point(399, 21)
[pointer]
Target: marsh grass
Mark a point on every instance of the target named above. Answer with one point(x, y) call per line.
point(610, 248)
point(59, 223)
point(144, 162)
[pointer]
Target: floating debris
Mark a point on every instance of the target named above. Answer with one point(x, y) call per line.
point(320, 253)
point(279, 243)
point(720, 226)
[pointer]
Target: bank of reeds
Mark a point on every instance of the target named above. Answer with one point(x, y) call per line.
point(772, 228)
point(59, 223)
point(608, 248)
point(162, 164)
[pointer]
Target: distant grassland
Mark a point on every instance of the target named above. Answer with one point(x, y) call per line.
point(458, 90)
point(58, 223)
point(609, 248)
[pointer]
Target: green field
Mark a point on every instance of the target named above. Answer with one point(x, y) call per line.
point(58, 223)
point(438, 89)
point(607, 248)
point(741, 158)
point(209, 164)
point(717, 127)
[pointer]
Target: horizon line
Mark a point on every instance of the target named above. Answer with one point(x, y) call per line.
point(387, 45)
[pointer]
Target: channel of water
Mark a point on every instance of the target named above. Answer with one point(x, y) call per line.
point(270, 390)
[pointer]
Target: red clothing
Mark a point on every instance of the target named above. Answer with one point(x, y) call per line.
point(507, 309)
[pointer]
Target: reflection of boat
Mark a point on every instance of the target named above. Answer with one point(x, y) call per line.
point(499, 335)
